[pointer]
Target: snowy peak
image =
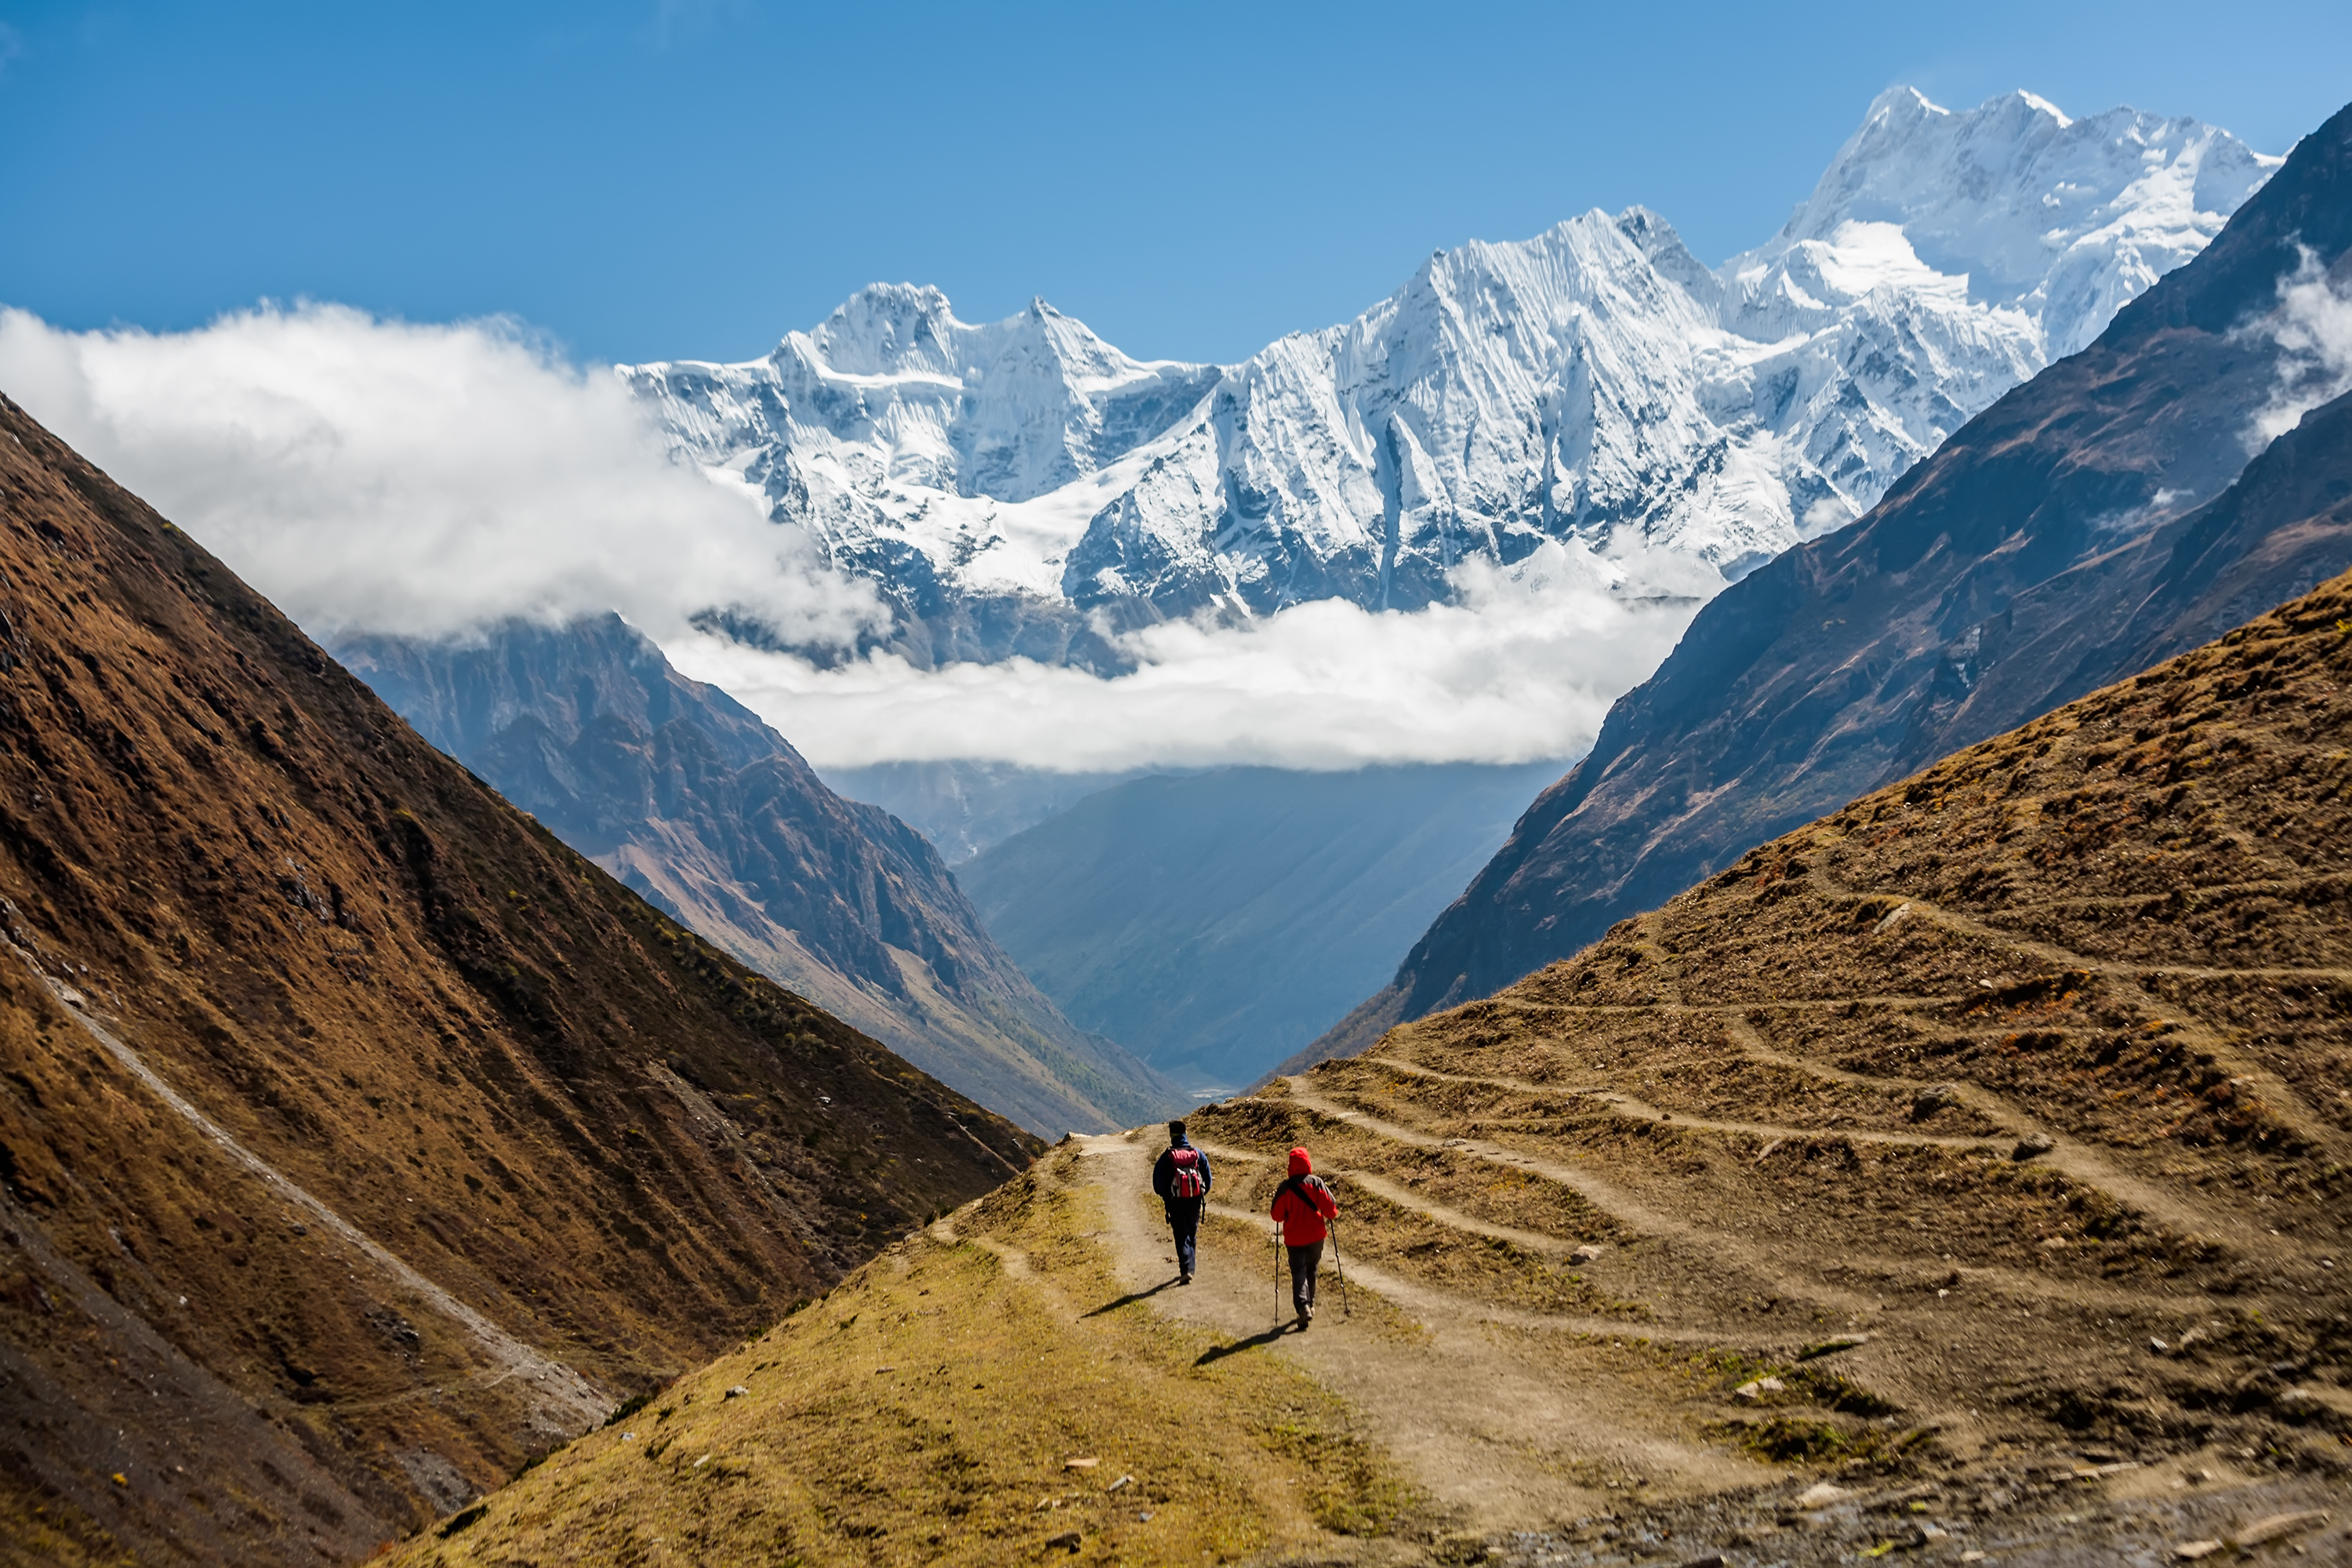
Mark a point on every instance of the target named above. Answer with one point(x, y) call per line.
point(885, 329)
point(2063, 220)
point(892, 392)
point(1019, 487)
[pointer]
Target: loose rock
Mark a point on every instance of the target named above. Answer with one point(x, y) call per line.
point(2031, 1145)
point(1933, 1100)
point(2278, 1526)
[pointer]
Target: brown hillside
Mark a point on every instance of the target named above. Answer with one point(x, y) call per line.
point(713, 817)
point(1963, 1174)
point(358, 1138)
point(2035, 1069)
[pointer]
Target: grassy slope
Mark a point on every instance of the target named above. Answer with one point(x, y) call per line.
point(927, 1410)
point(2004, 1118)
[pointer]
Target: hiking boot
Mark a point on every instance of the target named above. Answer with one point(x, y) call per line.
point(1184, 1278)
point(1306, 1317)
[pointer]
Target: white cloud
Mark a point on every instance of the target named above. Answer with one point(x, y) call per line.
point(427, 480)
point(2313, 329)
point(372, 475)
point(1524, 668)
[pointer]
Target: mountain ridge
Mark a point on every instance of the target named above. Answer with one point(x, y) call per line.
point(693, 801)
point(1596, 387)
point(2070, 500)
point(1961, 1173)
point(358, 1138)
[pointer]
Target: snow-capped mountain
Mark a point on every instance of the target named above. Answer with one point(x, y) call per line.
point(1024, 488)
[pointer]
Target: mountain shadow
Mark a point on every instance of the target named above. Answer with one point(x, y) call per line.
point(684, 794)
point(1216, 922)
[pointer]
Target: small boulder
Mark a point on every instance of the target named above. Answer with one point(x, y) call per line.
point(738, 1392)
point(1934, 1099)
point(1820, 1495)
point(2033, 1146)
point(1588, 1253)
point(1068, 1541)
point(1755, 1389)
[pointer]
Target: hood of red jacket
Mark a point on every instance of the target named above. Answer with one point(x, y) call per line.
point(1301, 1163)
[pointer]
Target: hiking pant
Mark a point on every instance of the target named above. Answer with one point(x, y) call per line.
point(1185, 1219)
point(1304, 1261)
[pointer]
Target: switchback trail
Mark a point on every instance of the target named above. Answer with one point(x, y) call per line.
point(1455, 1389)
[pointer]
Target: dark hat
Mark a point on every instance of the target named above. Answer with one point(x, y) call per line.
point(1175, 1133)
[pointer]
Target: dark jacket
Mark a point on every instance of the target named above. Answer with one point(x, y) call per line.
point(1163, 1171)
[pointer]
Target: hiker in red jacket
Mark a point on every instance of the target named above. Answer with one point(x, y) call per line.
point(1303, 1206)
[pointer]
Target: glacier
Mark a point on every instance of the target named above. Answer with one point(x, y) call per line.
point(1022, 489)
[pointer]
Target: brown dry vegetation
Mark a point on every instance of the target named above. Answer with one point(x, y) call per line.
point(1996, 1120)
point(618, 1148)
point(928, 1409)
point(2123, 928)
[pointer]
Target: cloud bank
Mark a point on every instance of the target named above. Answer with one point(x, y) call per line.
point(430, 480)
point(422, 480)
point(2313, 329)
point(1523, 667)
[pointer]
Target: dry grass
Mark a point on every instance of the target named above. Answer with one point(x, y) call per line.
point(925, 1412)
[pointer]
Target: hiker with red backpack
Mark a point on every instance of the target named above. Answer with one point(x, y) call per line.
point(1303, 1210)
point(1181, 1179)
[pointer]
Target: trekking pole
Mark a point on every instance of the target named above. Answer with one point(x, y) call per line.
point(1277, 1274)
point(1345, 1310)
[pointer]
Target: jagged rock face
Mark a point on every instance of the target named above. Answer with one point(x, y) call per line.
point(688, 798)
point(2074, 532)
point(358, 1140)
point(1025, 489)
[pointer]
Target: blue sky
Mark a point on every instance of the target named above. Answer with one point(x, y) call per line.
point(671, 178)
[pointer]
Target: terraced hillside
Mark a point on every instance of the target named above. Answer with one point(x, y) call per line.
point(1967, 1172)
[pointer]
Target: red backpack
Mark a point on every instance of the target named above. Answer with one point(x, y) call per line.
point(1186, 1181)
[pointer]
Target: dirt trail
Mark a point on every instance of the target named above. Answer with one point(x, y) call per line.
point(2269, 1084)
point(1723, 1255)
point(1487, 1428)
point(569, 1401)
point(2066, 1154)
point(1617, 1102)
